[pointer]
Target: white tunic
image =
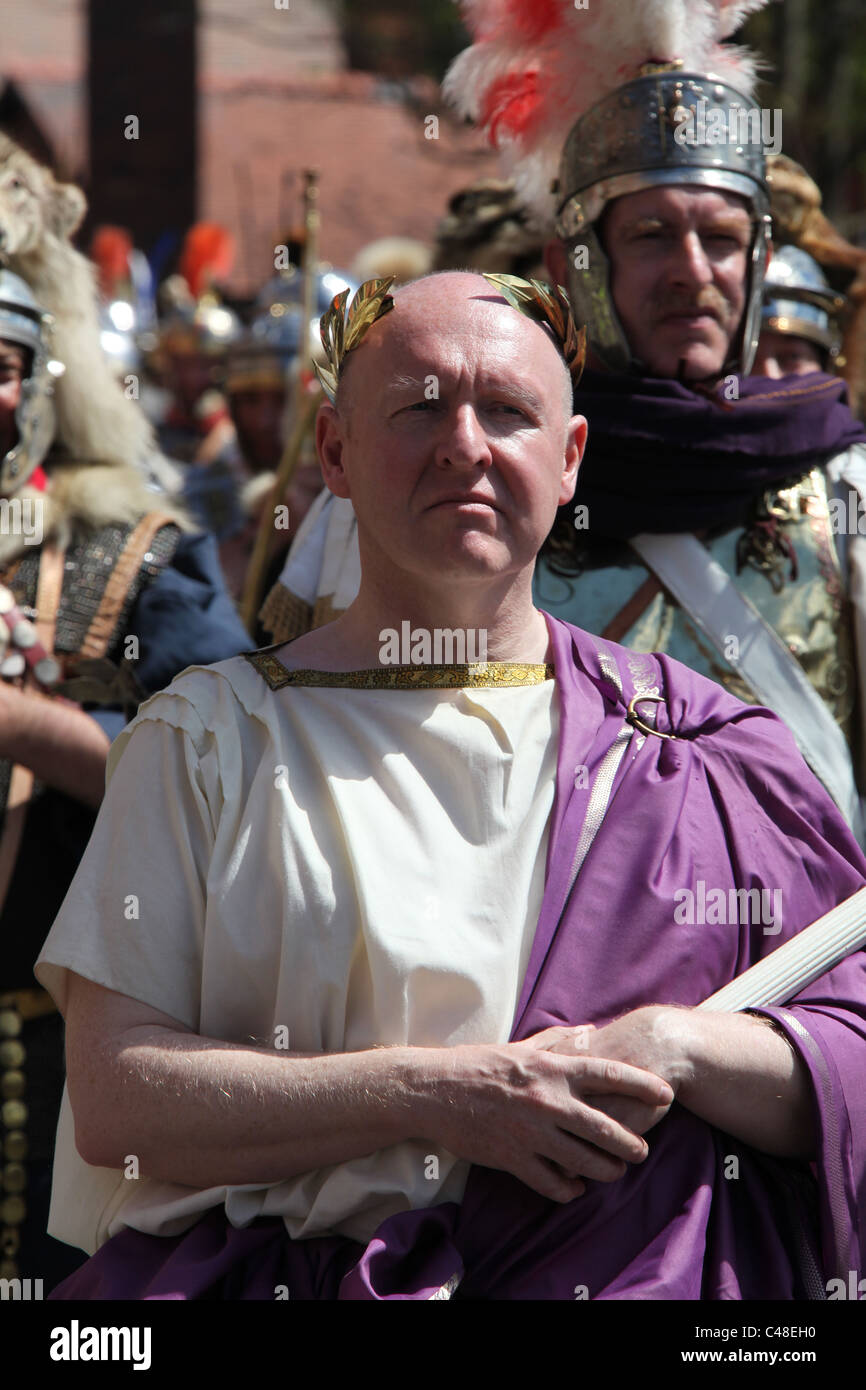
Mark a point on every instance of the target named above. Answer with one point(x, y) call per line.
point(355, 866)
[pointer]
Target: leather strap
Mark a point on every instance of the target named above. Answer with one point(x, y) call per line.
point(20, 792)
point(634, 609)
point(123, 574)
point(21, 779)
point(706, 592)
point(48, 594)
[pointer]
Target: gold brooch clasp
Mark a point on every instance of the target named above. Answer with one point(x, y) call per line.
point(634, 718)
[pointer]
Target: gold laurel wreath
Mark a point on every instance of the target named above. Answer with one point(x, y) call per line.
point(546, 304)
point(341, 331)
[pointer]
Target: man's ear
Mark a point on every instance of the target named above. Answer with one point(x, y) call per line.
point(556, 261)
point(66, 209)
point(575, 444)
point(330, 443)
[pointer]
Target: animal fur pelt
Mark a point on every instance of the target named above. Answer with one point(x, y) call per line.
point(38, 215)
point(85, 497)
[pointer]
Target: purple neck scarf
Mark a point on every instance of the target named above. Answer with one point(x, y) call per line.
point(662, 456)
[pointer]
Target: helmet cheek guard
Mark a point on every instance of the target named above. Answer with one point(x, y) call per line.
point(751, 332)
point(589, 290)
point(24, 322)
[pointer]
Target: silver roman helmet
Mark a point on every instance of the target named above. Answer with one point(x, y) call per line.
point(645, 134)
point(281, 300)
point(262, 357)
point(25, 323)
point(798, 300)
point(590, 103)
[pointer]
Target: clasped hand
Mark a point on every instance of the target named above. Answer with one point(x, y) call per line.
point(566, 1104)
point(642, 1038)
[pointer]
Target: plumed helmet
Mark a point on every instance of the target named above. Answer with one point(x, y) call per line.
point(194, 321)
point(127, 312)
point(798, 300)
point(590, 102)
point(262, 357)
point(287, 287)
point(281, 299)
point(26, 323)
point(204, 327)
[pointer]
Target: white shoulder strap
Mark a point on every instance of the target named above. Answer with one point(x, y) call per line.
point(846, 477)
point(706, 592)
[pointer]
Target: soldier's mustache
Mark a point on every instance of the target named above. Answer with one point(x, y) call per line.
point(709, 300)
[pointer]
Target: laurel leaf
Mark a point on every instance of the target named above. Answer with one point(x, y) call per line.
point(371, 301)
point(338, 325)
point(341, 330)
point(327, 381)
point(546, 304)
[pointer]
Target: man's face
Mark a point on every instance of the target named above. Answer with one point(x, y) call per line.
point(452, 438)
point(678, 259)
point(258, 418)
point(189, 376)
point(781, 354)
point(13, 363)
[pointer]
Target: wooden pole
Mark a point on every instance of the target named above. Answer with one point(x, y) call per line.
point(303, 413)
point(252, 596)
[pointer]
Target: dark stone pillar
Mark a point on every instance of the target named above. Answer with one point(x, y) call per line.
point(142, 119)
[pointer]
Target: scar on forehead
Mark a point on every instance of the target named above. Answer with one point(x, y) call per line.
point(404, 380)
point(506, 387)
point(737, 221)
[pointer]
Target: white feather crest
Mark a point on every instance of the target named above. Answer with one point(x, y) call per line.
point(733, 13)
point(566, 59)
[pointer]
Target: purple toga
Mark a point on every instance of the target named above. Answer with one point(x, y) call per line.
point(728, 804)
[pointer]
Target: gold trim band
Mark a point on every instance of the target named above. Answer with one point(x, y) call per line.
point(477, 675)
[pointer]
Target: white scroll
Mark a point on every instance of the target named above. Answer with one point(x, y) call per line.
point(781, 975)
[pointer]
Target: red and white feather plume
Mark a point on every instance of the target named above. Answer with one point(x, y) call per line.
point(535, 67)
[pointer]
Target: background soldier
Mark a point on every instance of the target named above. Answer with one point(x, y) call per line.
point(701, 525)
point(122, 595)
point(799, 333)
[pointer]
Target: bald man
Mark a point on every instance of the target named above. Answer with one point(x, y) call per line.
point(380, 972)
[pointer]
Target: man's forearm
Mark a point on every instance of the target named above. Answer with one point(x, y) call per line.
point(205, 1113)
point(745, 1078)
point(61, 745)
point(208, 1113)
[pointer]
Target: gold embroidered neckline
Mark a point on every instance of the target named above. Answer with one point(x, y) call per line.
point(474, 675)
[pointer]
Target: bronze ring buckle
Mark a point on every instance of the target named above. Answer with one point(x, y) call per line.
point(635, 720)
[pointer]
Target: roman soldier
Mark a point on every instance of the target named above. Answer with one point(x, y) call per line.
point(227, 492)
point(195, 332)
point(106, 592)
point(799, 321)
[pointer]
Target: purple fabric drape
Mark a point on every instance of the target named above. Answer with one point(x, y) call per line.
point(662, 456)
point(729, 803)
